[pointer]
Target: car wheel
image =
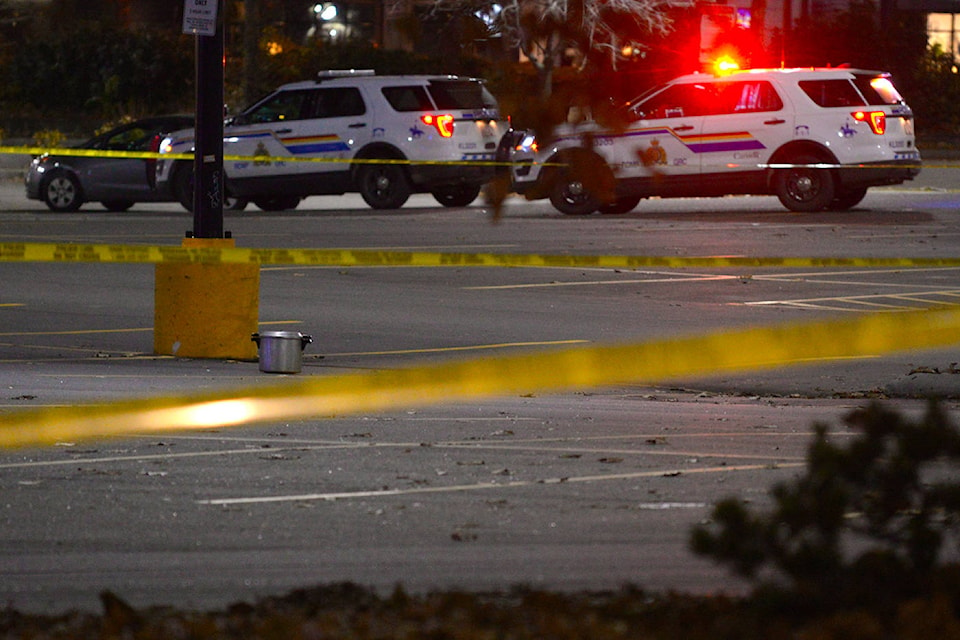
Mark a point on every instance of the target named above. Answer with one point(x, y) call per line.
point(383, 186)
point(803, 188)
point(277, 203)
point(457, 196)
point(61, 192)
point(117, 205)
point(626, 204)
point(571, 197)
point(183, 191)
point(183, 185)
point(848, 198)
point(234, 203)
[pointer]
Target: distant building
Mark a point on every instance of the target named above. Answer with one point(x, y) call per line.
point(943, 23)
point(375, 20)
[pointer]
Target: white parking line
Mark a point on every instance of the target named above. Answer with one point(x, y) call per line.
point(891, 301)
point(581, 283)
point(486, 486)
point(172, 456)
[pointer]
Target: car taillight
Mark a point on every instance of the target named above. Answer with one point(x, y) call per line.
point(443, 123)
point(876, 119)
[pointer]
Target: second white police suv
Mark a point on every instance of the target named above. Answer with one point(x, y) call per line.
point(816, 138)
point(384, 137)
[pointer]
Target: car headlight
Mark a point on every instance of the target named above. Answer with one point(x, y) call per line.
point(528, 144)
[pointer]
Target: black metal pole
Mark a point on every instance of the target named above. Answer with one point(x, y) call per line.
point(208, 155)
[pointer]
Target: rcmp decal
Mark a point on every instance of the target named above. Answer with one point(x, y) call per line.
point(296, 145)
point(699, 143)
point(330, 143)
point(654, 154)
point(261, 152)
point(713, 142)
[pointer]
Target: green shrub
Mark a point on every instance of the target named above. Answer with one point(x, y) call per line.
point(863, 528)
point(107, 126)
point(48, 138)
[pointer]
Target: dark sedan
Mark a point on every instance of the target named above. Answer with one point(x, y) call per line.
point(65, 182)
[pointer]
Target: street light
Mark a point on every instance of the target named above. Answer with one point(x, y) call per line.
point(325, 20)
point(325, 11)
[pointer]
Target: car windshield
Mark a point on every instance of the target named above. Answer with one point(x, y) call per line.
point(646, 94)
point(675, 101)
point(137, 136)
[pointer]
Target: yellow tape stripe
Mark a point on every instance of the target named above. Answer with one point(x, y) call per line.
point(91, 153)
point(567, 369)
point(154, 254)
point(151, 155)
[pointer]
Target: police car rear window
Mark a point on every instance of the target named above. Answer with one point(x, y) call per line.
point(832, 93)
point(877, 89)
point(461, 94)
point(409, 98)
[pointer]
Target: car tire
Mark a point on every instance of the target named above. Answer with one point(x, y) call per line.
point(383, 186)
point(183, 185)
point(233, 203)
point(622, 205)
point(569, 196)
point(277, 203)
point(802, 188)
point(61, 192)
point(117, 206)
point(457, 196)
point(847, 199)
point(583, 182)
point(183, 191)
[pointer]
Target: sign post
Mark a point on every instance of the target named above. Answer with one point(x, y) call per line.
point(207, 310)
point(203, 18)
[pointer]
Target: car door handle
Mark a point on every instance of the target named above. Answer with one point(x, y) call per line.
point(685, 127)
point(357, 125)
point(774, 121)
point(283, 130)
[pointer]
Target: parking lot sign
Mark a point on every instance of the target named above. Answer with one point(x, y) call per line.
point(200, 17)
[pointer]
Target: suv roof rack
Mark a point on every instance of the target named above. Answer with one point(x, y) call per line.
point(330, 74)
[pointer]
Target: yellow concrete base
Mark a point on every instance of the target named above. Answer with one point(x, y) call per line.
point(206, 310)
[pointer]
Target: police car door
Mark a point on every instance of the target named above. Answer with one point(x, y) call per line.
point(323, 123)
point(653, 152)
point(746, 126)
point(257, 136)
point(335, 123)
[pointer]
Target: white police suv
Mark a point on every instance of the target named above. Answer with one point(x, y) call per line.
point(816, 138)
point(385, 137)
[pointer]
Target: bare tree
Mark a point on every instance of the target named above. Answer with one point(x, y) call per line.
point(549, 32)
point(251, 50)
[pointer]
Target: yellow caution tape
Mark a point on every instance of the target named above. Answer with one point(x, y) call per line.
point(91, 153)
point(315, 397)
point(152, 155)
point(155, 254)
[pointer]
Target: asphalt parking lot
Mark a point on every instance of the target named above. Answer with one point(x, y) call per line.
point(583, 490)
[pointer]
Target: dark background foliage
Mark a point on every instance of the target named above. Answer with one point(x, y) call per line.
point(73, 65)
